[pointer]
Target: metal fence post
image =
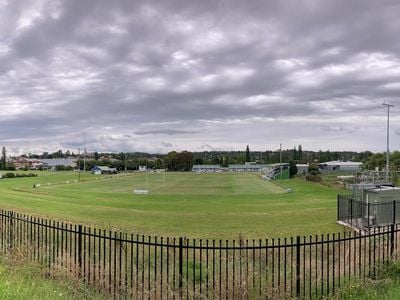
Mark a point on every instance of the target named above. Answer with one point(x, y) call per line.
point(338, 208)
point(391, 240)
point(11, 229)
point(394, 212)
point(180, 266)
point(351, 211)
point(80, 249)
point(368, 218)
point(298, 267)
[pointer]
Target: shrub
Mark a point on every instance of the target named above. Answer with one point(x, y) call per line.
point(9, 175)
point(314, 178)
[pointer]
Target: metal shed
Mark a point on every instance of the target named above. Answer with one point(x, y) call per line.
point(382, 194)
point(374, 207)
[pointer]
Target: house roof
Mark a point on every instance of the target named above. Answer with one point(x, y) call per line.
point(103, 168)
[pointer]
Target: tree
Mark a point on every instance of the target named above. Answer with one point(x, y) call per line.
point(3, 158)
point(294, 153)
point(293, 169)
point(248, 159)
point(300, 153)
point(313, 169)
point(377, 160)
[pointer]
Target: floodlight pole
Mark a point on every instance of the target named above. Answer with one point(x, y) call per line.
point(147, 184)
point(280, 161)
point(79, 164)
point(84, 152)
point(387, 140)
point(164, 172)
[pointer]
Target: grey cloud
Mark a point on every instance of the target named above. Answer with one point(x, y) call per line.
point(84, 65)
point(167, 145)
point(166, 131)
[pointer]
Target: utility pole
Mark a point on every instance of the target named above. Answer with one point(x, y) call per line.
point(387, 140)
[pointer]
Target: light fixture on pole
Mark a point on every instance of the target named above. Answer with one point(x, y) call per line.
point(387, 141)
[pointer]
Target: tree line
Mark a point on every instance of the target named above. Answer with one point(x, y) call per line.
point(184, 160)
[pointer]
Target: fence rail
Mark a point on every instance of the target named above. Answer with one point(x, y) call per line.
point(138, 266)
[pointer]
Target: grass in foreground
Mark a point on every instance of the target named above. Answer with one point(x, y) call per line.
point(385, 287)
point(22, 280)
point(217, 206)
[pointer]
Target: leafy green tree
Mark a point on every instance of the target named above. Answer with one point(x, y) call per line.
point(313, 169)
point(377, 160)
point(293, 169)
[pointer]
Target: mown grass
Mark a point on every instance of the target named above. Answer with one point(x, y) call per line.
point(192, 205)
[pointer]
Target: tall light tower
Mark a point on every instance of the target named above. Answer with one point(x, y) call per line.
point(387, 140)
point(84, 152)
point(280, 161)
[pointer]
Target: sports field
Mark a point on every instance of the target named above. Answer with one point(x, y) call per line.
point(224, 205)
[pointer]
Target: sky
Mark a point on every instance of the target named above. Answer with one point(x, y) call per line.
point(158, 76)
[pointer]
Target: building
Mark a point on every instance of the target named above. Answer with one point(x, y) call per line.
point(51, 164)
point(340, 166)
point(302, 168)
point(277, 171)
point(246, 168)
point(23, 163)
point(207, 168)
point(98, 170)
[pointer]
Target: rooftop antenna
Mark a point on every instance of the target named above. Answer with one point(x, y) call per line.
point(387, 140)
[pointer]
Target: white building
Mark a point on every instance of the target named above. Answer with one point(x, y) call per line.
point(340, 166)
point(206, 168)
point(52, 163)
point(302, 168)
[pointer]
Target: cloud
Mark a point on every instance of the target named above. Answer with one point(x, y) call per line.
point(166, 131)
point(217, 73)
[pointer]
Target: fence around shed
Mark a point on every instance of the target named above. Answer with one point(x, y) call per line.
point(137, 266)
point(366, 216)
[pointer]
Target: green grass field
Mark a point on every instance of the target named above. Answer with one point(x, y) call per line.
point(224, 205)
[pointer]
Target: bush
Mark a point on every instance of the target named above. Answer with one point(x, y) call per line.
point(17, 175)
point(314, 178)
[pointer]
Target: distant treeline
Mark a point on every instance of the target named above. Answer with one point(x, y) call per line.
point(183, 161)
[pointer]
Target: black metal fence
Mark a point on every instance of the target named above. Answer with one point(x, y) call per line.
point(138, 267)
point(364, 216)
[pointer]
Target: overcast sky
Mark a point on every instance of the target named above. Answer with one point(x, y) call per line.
point(166, 75)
